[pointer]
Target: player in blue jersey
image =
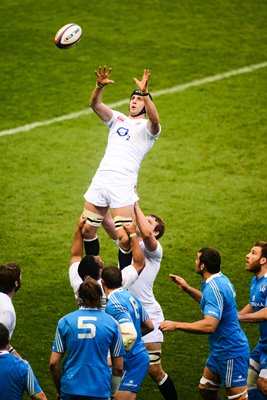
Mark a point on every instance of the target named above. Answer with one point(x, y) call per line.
point(229, 349)
point(256, 311)
point(85, 337)
point(133, 321)
point(16, 375)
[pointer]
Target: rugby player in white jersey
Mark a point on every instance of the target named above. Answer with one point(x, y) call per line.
point(80, 266)
point(151, 228)
point(130, 138)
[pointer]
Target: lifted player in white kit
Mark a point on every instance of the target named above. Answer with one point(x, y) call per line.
point(130, 138)
point(151, 228)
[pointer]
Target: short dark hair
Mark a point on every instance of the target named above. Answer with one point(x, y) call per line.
point(263, 246)
point(90, 293)
point(211, 259)
point(9, 274)
point(160, 226)
point(89, 267)
point(4, 336)
point(112, 277)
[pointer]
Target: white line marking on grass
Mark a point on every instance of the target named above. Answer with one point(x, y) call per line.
point(174, 89)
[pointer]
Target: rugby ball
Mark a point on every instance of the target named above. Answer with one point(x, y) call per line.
point(68, 36)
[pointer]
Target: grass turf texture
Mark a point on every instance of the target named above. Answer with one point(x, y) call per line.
point(205, 176)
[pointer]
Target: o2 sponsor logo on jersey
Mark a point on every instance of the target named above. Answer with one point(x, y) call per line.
point(123, 132)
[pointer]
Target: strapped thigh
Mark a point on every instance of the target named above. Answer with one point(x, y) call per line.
point(92, 218)
point(155, 356)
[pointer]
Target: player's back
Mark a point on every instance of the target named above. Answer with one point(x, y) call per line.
point(86, 335)
point(124, 306)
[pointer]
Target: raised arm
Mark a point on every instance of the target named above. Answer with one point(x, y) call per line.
point(138, 256)
point(77, 243)
point(194, 293)
point(102, 110)
point(153, 124)
point(145, 228)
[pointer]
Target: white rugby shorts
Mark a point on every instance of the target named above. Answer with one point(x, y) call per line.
point(156, 335)
point(111, 189)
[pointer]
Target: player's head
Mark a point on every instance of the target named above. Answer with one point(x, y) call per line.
point(90, 293)
point(4, 336)
point(157, 224)
point(208, 259)
point(10, 277)
point(257, 257)
point(90, 266)
point(111, 277)
point(137, 104)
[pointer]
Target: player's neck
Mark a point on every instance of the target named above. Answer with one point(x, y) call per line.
point(142, 116)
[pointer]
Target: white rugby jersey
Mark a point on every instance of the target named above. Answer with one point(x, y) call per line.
point(128, 142)
point(143, 287)
point(7, 313)
point(129, 276)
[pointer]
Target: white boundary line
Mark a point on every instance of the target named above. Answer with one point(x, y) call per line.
point(174, 89)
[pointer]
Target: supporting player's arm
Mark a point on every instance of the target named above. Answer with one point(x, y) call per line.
point(77, 243)
point(138, 256)
point(102, 110)
point(145, 228)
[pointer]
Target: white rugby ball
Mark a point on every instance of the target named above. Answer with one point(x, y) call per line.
point(68, 36)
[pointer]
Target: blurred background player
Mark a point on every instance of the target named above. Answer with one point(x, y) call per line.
point(86, 336)
point(256, 311)
point(229, 349)
point(130, 138)
point(133, 319)
point(10, 282)
point(16, 375)
point(151, 228)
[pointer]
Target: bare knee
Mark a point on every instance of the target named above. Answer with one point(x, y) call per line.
point(156, 372)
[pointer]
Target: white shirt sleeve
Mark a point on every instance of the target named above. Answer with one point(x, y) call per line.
point(129, 276)
point(75, 279)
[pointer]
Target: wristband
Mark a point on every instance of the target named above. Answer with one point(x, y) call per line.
point(133, 235)
point(99, 85)
point(145, 94)
point(11, 350)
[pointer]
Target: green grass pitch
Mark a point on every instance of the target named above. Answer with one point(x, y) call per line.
point(206, 175)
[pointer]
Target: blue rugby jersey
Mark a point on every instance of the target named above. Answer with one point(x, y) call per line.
point(124, 306)
point(258, 300)
point(218, 300)
point(86, 335)
point(16, 377)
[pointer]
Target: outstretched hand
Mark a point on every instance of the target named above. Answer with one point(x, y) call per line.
point(143, 84)
point(103, 76)
point(168, 326)
point(179, 281)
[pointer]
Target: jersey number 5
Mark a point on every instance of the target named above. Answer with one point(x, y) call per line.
point(85, 323)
